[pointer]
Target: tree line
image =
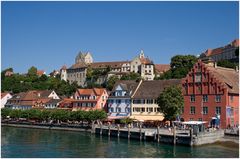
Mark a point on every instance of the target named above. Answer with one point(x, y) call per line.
point(31, 81)
point(56, 115)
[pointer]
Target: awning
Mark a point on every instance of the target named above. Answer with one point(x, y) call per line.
point(116, 117)
point(147, 117)
point(194, 122)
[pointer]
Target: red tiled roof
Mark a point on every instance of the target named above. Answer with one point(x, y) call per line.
point(145, 60)
point(229, 77)
point(3, 95)
point(162, 68)
point(96, 91)
point(40, 72)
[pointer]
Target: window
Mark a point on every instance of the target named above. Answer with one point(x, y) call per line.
point(136, 110)
point(111, 109)
point(118, 101)
point(126, 101)
point(199, 119)
point(142, 109)
point(218, 110)
point(191, 119)
point(127, 110)
point(205, 110)
point(218, 98)
point(119, 110)
point(192, 98)
point(149, 101)
point(192, 110)
point(205, 98)
point(149, 109)
point(101, 105)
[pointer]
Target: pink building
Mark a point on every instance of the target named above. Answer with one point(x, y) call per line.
point(90, 99)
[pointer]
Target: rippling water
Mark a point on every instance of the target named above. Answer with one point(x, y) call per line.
point(23, 142)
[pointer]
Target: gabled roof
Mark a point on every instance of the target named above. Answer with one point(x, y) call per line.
point(127, 85)
point(4, 94)
point(113, 64)
point(229, 77)
point(145, 60)
point(78, 65)
point(53, 101)
point(32, 95)
point(95, 91)
point(162, 68)
point(40, 72)
point(152, 89)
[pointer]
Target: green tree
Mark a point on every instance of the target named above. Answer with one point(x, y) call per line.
point(5, 112)
point(32, 71)
point(131, 76)
point(227, 64)
point(181, 65)
point(111, 81)
point(171, 102)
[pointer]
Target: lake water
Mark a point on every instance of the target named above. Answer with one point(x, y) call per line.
point(40, 143)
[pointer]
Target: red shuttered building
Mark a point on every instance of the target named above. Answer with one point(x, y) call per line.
point(211, 92)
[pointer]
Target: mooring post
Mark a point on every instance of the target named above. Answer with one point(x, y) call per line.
point(128, 131)
point(118, 127)
point(140, 131)
point(158, 136)
point(108, 129)
point(174, 135)
point(191, 136)
point(100, 128)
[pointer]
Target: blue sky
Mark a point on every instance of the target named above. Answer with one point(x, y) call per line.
point(50, 34)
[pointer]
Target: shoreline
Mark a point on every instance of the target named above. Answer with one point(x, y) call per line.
point(45, 127)
point(225, 139)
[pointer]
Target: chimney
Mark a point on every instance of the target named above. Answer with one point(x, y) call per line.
point(236, 69)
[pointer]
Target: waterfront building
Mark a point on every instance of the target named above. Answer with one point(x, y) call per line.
point(52, 103)
point(4, 98)
point(90, 99)
point(211, 92)
point(160, 69)
point(144, 66)
point(119, 100)
point(31, 99)
point(66, 103)
point(222, 53)
point(144, 100)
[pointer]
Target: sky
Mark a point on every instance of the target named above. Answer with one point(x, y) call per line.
point(48, 35)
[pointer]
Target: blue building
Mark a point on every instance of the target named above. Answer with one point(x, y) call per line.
point(119, 101)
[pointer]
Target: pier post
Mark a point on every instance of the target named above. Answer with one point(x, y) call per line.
point(100, 128)
point(128, 131)
point(174, 135)
point(140, 131)
point(108, 129)
point(118, 127)
point(158, 136)
point(191, 136)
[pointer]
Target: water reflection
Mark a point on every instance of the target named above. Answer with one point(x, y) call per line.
point(22, 142)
